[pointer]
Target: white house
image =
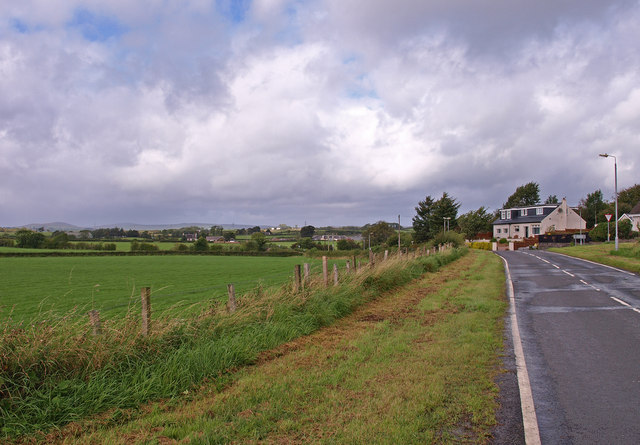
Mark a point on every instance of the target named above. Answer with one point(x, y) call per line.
point(524, 222)
point(634, 217)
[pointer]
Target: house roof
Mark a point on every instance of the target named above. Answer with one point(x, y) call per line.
point(636, 209)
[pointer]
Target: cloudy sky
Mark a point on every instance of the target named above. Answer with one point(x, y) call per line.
point(329, 112)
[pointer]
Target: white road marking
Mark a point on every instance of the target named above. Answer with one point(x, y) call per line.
point(624, 303)
point(557, 267)
point(598, 264)
point(570, 274)
point(590, 285)
point(529, 419)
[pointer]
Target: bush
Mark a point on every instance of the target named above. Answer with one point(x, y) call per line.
point(481, 246)
point(347, 244)
point(137, 246)
point(454, 238)
point(503, 241)
point(7, 242)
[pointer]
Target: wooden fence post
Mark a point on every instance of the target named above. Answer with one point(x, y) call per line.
point(94, 318)
point(355, 263)
point(335, 274)
point(325, 270)
point(348, 266)
point(307, 273)
point(145, 294)
point(386, 255)
point(231, 304)
point(298, 278)
point(372, 258)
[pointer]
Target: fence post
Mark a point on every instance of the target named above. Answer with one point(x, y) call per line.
point(145, 294)
point(355, 263)
point(307, 273)
point(94, 318)
point(335, 274)
point(386, 255)
point(348, 266)
point(231, 305)
point(372, 258)
point(325, 270)
point(298, 278)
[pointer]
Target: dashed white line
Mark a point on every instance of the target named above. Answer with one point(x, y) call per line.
point(590, 285)
point(557, 267)
point(570, 274)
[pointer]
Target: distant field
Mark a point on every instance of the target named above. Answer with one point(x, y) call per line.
point(49, 286)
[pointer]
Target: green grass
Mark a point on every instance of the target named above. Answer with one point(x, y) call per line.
point(40, 287)
point(55, 374)
point(399, 372)
point(627, 257)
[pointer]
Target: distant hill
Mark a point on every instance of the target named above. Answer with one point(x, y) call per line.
point(66, 227)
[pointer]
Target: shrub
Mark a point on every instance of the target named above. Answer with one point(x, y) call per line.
point(454, 238)
point(503, 241)
point(7, 242)
point(481, 246)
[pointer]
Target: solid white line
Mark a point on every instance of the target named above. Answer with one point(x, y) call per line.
point(529, 419)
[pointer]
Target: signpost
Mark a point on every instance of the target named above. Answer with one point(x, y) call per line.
point(608, 216)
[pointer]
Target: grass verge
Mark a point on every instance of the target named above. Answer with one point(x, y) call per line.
point(413, 366)
point(627, 257)
point(53, 375)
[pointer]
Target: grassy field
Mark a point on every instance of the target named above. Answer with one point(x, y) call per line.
point(51, 375)
point(47, 286)
point(413, 366)
point(627, 257)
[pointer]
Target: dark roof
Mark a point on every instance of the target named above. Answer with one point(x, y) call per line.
point(517, 219)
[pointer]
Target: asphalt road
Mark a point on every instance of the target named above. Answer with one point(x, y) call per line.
point(579, 323)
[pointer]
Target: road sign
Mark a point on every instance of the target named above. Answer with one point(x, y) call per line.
point(608, 216)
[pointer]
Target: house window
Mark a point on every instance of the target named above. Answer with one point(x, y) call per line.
point(523, 212)
point(539, 210)
point(498, 230)
point(505, 214)
point(535, 229)
point(517, 228)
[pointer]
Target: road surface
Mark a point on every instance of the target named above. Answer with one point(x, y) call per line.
point(579, 325)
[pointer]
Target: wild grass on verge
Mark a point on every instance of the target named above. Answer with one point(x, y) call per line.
point(627, 257)
point(414, 366)
point(53, 375)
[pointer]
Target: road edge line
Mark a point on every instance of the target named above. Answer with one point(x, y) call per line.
point(598, 264)
point(529, 419)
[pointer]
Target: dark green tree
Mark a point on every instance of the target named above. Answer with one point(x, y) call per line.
point(445, 207)
point(421, 231)
point(474, 222)
point(201, 245)
point(378, 233)
point(29, 239)
point(628, 198)
point(525, 195)
point(259, 241)
point(307, 231)
point(58, 240)
point(552, 199)
point(591, 206)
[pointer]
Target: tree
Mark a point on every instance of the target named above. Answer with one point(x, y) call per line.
point(590, 206)
point(252, 230)
point(378, 233)
point(525, 195)
point(229, 235)
point(475, 221)
point(259, 240)
point(29, 239)
point(201, 245)
point(307, 231)
point(347, 244)
point(445, 207)
point(58, 240)
point(421, 220)
point(628, 198)
point(552, 199)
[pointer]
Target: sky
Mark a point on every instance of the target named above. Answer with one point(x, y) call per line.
point(322, 112)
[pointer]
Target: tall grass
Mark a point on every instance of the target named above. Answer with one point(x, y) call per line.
point(51, 375)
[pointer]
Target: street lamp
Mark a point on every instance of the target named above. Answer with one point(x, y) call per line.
point(445, 223)
point(615, 166)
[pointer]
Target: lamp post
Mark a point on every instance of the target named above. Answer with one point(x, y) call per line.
point(445, 223)
point(615, 166)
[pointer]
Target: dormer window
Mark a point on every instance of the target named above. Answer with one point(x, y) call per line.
point(539, 210)
point(505, 214)
point(523, 212)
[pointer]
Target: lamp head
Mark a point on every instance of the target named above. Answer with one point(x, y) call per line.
point(604, 155)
